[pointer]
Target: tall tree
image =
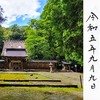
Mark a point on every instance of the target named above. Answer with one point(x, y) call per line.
point(74, 33)
point(61, 26)
point(58, 23)
point(65, 18)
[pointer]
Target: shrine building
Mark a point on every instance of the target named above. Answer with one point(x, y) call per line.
point(14, 54)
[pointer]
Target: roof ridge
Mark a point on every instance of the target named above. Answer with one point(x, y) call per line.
point(13, 40)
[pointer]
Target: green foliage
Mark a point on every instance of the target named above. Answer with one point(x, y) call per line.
point(58, 33)
point(74, 33)
point(1, 38)
point(14, 32)
point(36, 43)
point(2, 19)
point(1, 34)
point(17, 32)
point(7, 33)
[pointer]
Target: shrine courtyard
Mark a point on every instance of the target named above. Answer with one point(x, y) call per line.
point(21, 79)
point(40, 86)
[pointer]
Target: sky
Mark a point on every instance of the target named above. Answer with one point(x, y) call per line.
point(21, 11)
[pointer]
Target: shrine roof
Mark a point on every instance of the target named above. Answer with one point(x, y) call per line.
point(16, 53)
point(14, 48)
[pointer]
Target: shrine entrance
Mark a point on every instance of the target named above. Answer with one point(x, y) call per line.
point(16, 65)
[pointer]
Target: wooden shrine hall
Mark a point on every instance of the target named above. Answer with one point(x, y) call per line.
point(14, 54)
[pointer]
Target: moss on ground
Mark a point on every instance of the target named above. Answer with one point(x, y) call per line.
point(44, 93)
point(22, 76)
point(12, 93)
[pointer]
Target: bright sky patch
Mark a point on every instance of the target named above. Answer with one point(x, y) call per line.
point(21, 9)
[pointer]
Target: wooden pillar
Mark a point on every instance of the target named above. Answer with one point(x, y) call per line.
point(10, 65)
point(21, 64)
point(69, 67)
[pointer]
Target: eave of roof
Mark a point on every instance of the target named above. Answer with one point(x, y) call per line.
point(15, 52)
point(43, 61)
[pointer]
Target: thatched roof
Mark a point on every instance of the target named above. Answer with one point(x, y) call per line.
point(14, 48)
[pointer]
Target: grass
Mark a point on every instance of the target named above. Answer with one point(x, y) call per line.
point(68, 78)
point(44, 93)
point(22, 76)
point(47, 93)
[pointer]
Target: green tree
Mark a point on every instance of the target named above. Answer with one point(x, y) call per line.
point(7, 33)
point(65, 18)
point(57, 25)
point(36, 42)
point(74, 34)
point(17, 32)
point(60, 28)
point(1, 38)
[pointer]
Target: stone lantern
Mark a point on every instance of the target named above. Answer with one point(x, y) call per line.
point(51, 67)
